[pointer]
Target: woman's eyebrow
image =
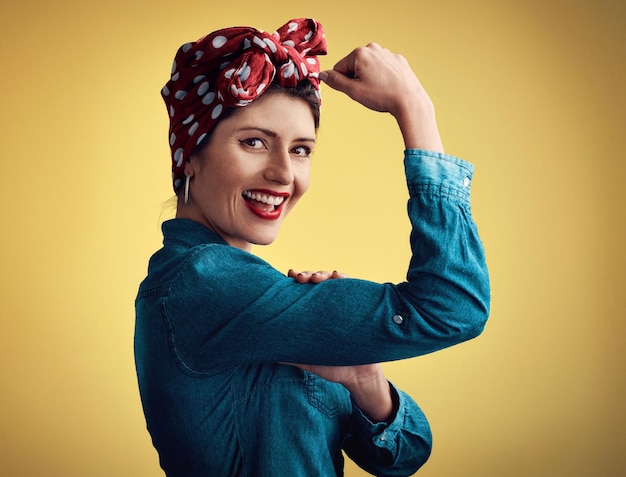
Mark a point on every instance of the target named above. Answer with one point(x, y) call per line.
point(267, 132)
point(270, 133)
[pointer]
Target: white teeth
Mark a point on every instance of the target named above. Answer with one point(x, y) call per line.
point(265, 198)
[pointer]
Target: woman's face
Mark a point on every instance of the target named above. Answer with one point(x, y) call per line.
point(253, 170)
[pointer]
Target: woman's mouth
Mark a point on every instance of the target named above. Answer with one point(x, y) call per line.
point(265, 204)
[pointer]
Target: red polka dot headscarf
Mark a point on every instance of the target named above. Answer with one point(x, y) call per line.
point(233, 67)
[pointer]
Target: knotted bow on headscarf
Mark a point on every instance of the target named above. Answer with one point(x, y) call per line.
point(233, 67)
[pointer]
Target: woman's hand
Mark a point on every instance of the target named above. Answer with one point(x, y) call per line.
point(383, 81)
point(314, 277)
point(366, 383)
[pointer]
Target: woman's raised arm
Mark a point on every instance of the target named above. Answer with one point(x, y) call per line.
point(383, 81)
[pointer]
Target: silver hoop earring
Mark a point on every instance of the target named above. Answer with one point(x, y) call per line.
point(187, 179)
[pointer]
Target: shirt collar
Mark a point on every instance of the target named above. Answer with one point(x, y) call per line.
point(188, 233)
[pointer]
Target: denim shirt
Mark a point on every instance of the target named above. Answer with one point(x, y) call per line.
point(213, 322)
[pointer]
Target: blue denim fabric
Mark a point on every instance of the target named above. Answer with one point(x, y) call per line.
point(213, 321)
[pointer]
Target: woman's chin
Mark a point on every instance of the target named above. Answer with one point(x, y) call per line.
point(264, 241)
point(260, 237)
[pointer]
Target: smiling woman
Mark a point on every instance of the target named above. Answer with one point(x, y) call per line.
point(244, 370)
point(252, 171)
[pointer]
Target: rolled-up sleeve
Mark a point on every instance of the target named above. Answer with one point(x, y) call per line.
point(397, 448)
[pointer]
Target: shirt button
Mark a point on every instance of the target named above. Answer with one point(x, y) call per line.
point(398, 319)
point(466, 182)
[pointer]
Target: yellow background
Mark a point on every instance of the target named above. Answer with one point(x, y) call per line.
point(529, 91)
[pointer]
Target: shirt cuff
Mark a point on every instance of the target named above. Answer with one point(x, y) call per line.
point(383, 433)
point(438, 173)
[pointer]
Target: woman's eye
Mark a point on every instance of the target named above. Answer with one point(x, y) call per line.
point(253, 142)
point(303, 151)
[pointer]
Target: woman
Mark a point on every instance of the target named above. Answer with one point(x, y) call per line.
point(243, 370)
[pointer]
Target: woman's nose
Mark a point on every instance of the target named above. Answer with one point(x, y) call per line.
point(279, 168)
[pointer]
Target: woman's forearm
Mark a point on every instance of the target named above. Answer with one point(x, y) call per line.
point(418, 125)
point(372, 395)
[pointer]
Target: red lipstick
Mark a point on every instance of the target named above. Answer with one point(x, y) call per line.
point(262, 209)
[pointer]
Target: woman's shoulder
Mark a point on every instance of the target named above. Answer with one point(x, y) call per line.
point(194, 251)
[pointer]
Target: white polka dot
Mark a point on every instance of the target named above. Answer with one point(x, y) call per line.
point(229, 74)
point(178, 157)
point(193, 128)
point(180, 94)
point(246, 43)
point(189, 119)
point(198, 54)
point(289, 43)
point(217, 110)
point(198, 78)
point(292, 27)
point(174, 67)
point(186, 47)
point(304, 70)
point(288, 70)
point(175, 76)
point(171, 111)
point(311, 61)
point(204, 87)
point(238, 91)
point(271, 45)
point(208, 98)
point(244, 72)
point(219, 41)
point(177, 182)
point(165, 91)
point(308, 36)
point(200, 139)
point(172, 139)
point(257, 41)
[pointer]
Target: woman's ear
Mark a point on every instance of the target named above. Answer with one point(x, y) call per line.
point(190, 166)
